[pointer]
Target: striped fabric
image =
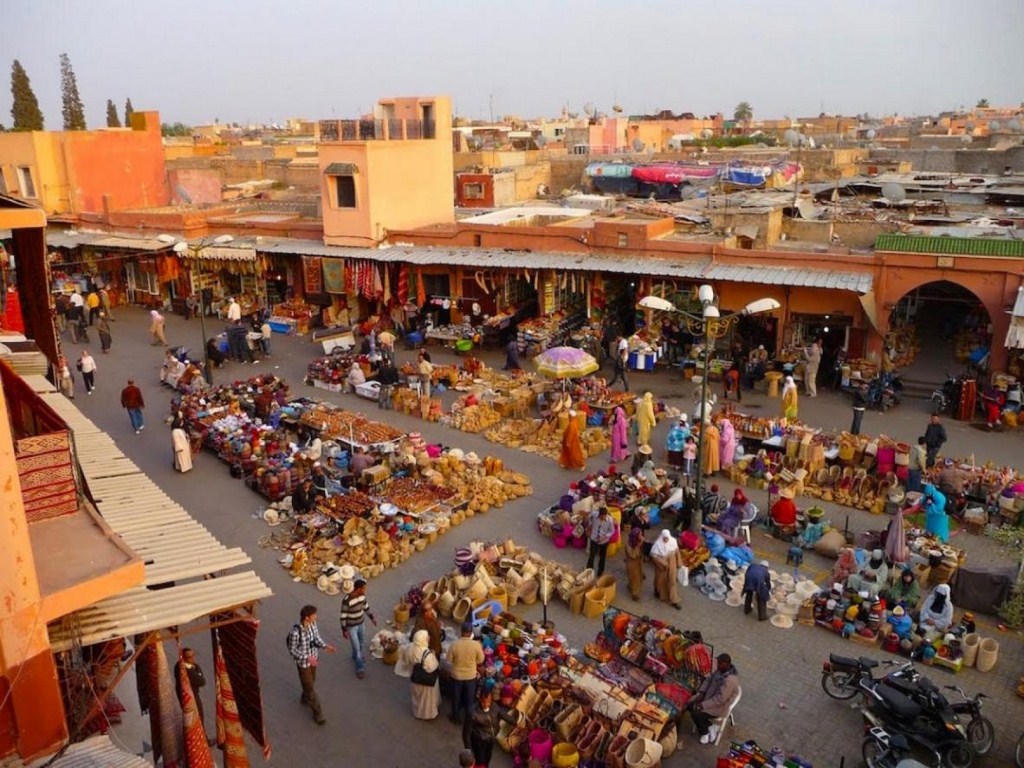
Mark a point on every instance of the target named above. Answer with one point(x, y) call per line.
point(229, 726)
point(197, 751)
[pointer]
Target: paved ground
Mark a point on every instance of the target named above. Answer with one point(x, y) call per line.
point(369, 720)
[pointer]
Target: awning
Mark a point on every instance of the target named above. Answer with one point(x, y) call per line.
point(869, 303)
point(174, 546)
point(341, 169)
point(1015, 333)
point(128, 243)
point(222, 253)
point(94, 752)
point(859, 282)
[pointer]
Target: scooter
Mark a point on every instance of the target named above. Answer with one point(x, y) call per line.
point(881, 749)
point(884, 391)
point(841, 676)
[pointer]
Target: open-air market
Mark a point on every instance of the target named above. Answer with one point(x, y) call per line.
point(562, 417)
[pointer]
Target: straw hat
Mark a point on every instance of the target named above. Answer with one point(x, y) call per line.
point(782, 621)
point(645, 449)
point(472, 459)
point(734, 600)
point(787, 493)
point(457, 453)
point(325, 585)
point(897, 496)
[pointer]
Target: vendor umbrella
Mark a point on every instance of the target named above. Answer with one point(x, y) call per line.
point(565, 363)
point(896, 541)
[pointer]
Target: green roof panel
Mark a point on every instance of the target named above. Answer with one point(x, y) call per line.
point(953, 246)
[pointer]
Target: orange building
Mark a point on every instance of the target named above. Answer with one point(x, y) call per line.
point(71, 173)
point(392, 170)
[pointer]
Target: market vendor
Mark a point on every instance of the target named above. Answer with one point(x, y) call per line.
point(263, 403)
point(905, 591)
point(936, 521)
point(171, 370)
point(355, 376)
point(667, 559)
point(713, 699)
point(304, 497)
point(950, 480)
point(729, 521)
point(426, 372)
point(784, 512)
point(937, 613)
point(321, 482)
point(642, 455)
point(872, 576)
point(192, 379)
point(361, 461)
point(901, 623)
point(213, 353)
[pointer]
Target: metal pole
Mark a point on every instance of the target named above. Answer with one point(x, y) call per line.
point(207, 368)
point(697, 519)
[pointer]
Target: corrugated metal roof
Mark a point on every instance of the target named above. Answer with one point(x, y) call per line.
point(94, 752)
point(174, 546)
point(222, 253)
point(64, 240)
point(129, 243)
point(858, 282)
point(341, 169)
point(963, 246)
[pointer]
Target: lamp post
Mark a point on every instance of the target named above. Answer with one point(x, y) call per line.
point(182, 247)
point(709, 325)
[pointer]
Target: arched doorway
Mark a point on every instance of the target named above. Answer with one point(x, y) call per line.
point(945, 327)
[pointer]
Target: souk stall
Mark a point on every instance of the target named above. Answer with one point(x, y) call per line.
point(331, 372)
point(293, 317)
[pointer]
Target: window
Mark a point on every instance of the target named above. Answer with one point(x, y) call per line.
point(473, 191)
point(28, 189)
point(623, 239)
point(478, 240)
point(141, 281)
point(345, 189)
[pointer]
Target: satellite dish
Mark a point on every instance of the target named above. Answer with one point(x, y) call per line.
point(616, 107)
point(638, 145)
point(894, 193)
point(871, 134)
point(574, 115)
point(183, 194)
point(1013, 125)
point(791, 137)
point(589, 109)
point(969, 127)
point(540, 141)
point(994, 125)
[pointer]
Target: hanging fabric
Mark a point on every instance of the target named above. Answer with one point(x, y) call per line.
point(421, 288)
point(387, 285)
point(378, 284)
point(334, 276)
point(237, 641)
point(311, 274)
point(165, 713)
point(197, 751)
point(229, 727)
point(403, 284)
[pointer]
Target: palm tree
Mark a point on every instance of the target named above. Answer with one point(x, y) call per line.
point(982, 104)
point(743, 112)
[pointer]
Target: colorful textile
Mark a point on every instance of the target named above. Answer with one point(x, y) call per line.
point(312, 276)
point(403, 283)
point(238, 642)
point(334, 275)
point(421, 288)
point(165, 712)
point(229, 727)
point(197, 751)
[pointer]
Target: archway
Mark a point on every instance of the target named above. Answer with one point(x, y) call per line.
point(947, 324)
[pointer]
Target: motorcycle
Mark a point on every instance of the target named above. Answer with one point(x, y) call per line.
point(935, 729)
point(880, 749)
point(1018, 753)
point(981, 733)
point(841, 675)
point(884, 391)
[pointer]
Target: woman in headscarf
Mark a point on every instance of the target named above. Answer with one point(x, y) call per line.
point(156, 327)
point(675, 442)
point(635, 562)
point(936, 521)
point(428, 621)
point(180, 446)
point(620, 435)
point(904, 592)
point(710, 439)
point(937, 613)
point(572, 456)
point(648, 476)
point(645, 419)
point(666, 558)
point(425, 698)
point(790, 398)
point(355, 377)
point(727, 444)
point(730, 520)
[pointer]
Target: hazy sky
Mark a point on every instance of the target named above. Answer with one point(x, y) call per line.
point(263, 61)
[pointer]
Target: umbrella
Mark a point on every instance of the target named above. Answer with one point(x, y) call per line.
point(896, 540)
point(565, 363)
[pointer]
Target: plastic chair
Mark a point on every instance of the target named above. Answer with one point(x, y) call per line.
point(728, 717)
point(748, 519)
point(413, 383)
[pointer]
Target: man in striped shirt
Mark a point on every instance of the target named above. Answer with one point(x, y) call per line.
point(304, 644)
point(354, 609)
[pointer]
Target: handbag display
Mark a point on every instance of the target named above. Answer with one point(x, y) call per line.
point(420, 676)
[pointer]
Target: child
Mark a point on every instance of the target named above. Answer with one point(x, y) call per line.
point(689, 457)
point(265, 333)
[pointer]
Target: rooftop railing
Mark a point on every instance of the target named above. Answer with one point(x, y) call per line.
point(390, 129)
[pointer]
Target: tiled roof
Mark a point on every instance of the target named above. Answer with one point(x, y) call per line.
point(962, 246)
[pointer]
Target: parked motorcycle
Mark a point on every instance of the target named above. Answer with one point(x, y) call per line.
point(1018, 753)
point(880, 749)
point(884, 391)
point(841, 675)
point(939, 731)
point(981, 733)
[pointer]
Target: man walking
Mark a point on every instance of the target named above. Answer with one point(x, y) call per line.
point(934, 438)
point(621, 364)
point(860, 403)
point(602, 528)
point(387, 377)
point(757, 583)
point(916, 465)
point(196, 680)
point(813, 354)
point(465, 655)
point(304, 644)
point(131, 401)
point(354, 610)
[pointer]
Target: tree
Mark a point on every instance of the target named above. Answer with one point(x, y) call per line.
point(129, 110)
point(743, 112)
point(73, 111)
point(175, 129)
point(25, 108)
point(113, 121)
point(982, 104)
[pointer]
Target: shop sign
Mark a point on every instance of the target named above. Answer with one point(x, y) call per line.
point(944, 262)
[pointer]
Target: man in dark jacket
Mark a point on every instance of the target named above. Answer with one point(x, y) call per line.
point(196, 679)
point(387, 377)
point(713, 699)
point(860, 402)
point(934, 438)
point(757, 583)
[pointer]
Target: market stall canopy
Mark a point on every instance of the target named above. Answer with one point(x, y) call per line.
point(222, 253)
point(565, 363)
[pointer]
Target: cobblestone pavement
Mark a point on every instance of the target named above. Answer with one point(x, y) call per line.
point(369, 721)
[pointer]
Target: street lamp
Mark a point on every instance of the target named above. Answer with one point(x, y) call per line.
point(710, 325)
point(182, 247)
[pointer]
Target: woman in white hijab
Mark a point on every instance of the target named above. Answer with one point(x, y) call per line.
point(790, 398)
point(648, 476)
point(425, 698)
point(667, 559)
point(355, 377)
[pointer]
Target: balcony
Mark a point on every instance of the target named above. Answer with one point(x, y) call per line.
point(391, 129)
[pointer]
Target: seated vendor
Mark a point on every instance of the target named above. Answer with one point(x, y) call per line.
point(191, 379)
point(711, 502)
point(213, 353)
point(361, 461)
point(355, 377)
point(901, 622)
point(304, 497)
point(950, 480)
point(729, 521)
point(171, 370)
point(872, 576)
point(263, 403)
point(784, 511)
point(321, 482)
point(937, 613)
point(905, 591)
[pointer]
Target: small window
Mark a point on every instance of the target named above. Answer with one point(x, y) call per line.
point(473, 191)
point(478, 240)
point(28, 189)
point(345, 187)
point(623, 239)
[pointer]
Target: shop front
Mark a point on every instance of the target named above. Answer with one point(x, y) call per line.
point(217, 273)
